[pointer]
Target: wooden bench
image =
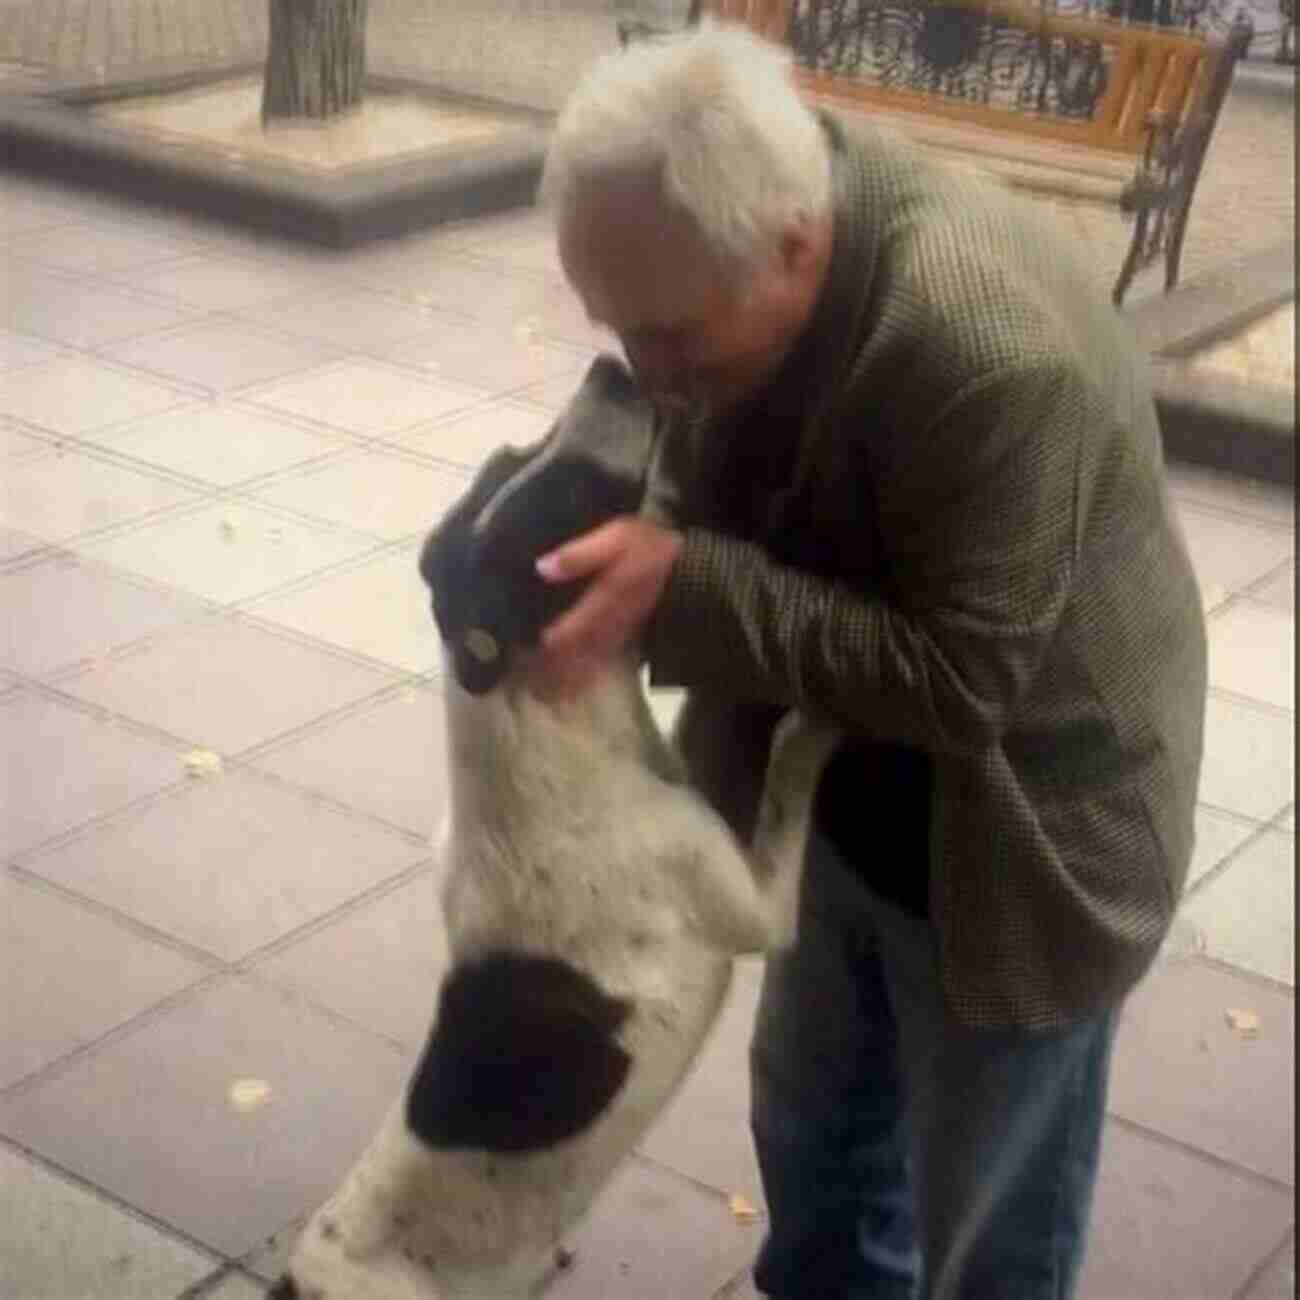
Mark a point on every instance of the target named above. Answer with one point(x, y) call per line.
point(1086, 108)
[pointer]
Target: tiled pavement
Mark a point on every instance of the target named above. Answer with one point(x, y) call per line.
point(220, 457)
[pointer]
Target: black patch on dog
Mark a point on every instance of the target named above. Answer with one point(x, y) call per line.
point(284, 1289)
point(522, 1056)
point(479, 562)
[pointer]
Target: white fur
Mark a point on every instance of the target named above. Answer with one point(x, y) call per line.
point(714, 114)
point(573, 834)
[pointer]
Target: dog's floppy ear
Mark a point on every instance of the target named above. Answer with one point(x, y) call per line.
point(479, 563)
point(448, 558)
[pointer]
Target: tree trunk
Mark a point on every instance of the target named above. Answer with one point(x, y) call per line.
point(316, 59)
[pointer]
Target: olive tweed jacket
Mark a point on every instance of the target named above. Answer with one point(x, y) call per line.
point(946, 526)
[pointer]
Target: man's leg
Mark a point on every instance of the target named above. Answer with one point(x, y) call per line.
point(827, 1108)
point(1006, 1130)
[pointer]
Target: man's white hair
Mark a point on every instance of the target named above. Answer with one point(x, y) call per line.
point(714, 116)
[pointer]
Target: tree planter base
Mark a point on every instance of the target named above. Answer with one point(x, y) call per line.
point(445, 159)
point(1213, 418)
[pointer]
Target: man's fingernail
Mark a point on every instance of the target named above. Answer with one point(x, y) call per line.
point(548, 567)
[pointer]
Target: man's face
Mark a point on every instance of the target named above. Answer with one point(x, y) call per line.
point(695, 336)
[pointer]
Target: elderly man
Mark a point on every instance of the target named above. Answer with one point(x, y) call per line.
point(909, 479)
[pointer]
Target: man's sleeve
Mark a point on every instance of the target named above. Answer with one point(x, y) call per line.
point(979, 520)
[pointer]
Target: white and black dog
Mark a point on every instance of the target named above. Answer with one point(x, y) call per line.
point(593, 903)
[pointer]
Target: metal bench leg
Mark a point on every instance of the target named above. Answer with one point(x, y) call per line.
point(1134, 258)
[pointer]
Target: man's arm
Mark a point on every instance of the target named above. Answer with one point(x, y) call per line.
point(980, 522)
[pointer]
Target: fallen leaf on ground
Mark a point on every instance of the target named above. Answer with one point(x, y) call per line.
point(202, 762)
point(741, 1210)
point(1246, 1023)
point(247, 1095)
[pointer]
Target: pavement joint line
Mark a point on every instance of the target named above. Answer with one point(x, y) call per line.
point(212, 964)
point(716, 1193)
point(142, 1020)
point(247, 964)
point(1199, 1153)
point(1230, 859)
point(1262, 982)
point(1243, 1292)
point(84, 1184)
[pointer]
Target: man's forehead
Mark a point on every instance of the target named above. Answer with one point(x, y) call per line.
point(638, 284)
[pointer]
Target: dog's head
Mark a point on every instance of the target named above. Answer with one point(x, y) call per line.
point(488, 600)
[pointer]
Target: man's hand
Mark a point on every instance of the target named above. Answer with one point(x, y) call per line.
point(629, 561)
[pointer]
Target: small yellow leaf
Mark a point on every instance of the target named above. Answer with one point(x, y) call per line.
point(202, 762)
point(741, 1210)
point(247, 1095)
point(1246, 1023)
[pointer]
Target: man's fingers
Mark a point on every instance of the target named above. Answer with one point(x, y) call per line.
point(585, 555)
point(592, 627)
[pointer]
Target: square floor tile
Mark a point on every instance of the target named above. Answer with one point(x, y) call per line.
point(225, 684)
point(60, 612)
point(387, 759)
point(175, 1146)
point(353, 318)
point(63, 767)
point(1278, 591)
point(1247, 913)
point(76, 396)
point(1181, 1070)
point(62, 1242)
point(69, 975)
point(230, 863)
point(387, 495)
point(228, 553)
point(1249, 763)
point(23, 350)
point(221, 355)
point(83, 313)
point(100, 248)
point(704, 1133)
point(469, 439)
point(379, 608)
point(496, 357)
point(367, 398)
point(214, 282)
point(68, 494)
point(1217, 835)
point(399, 941)
point(223, 443)
point(1252, 653)
point(651, 1235)
point(1231, 553)
point(1169, 1225)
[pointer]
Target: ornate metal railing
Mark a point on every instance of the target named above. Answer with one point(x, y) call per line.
point(953, 52)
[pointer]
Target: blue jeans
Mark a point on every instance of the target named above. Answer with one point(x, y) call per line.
point(903, 1154)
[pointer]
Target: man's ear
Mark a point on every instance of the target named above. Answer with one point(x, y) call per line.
point(798, 246)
